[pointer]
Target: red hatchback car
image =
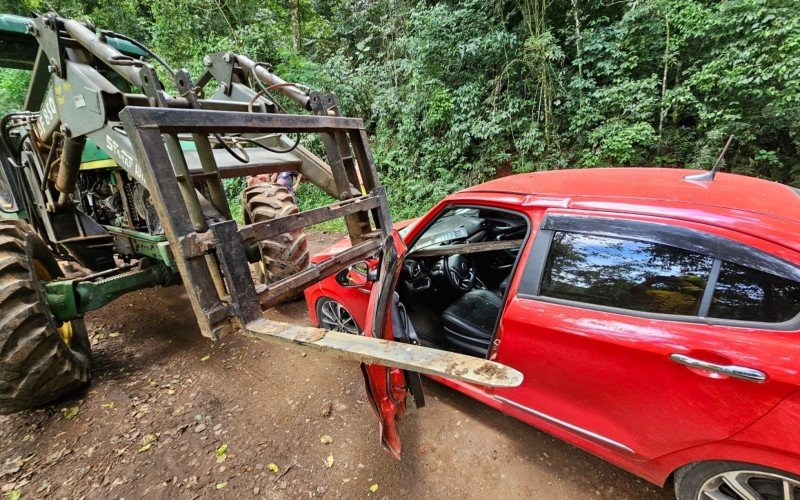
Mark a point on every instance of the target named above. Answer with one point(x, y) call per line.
point(655, 317)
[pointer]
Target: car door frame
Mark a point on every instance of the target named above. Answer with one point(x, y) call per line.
point(435, 214)
point(505, 203)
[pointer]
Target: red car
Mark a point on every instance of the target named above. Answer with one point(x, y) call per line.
point(653, 314)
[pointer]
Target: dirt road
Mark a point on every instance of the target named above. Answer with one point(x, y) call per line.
point(173, 415)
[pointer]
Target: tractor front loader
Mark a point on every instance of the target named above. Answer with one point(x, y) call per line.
point(106, 172)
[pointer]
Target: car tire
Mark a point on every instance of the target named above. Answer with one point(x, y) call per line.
point(282, 255)
point(40, 361)
point(724, 477)
point(327, 307)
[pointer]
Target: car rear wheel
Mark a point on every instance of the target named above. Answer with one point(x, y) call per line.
point(331, 315)
point(735, 481)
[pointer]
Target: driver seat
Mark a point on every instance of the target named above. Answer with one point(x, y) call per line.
point(469, 321)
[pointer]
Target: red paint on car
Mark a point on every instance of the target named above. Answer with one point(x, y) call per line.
point(616, 382)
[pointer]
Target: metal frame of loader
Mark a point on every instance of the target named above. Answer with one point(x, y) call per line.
point(147, 129)
point(207, 250)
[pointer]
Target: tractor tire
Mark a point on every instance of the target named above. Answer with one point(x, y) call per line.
point(40, 361)
point(282, 255)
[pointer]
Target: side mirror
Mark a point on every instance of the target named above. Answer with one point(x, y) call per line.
point(356, 275)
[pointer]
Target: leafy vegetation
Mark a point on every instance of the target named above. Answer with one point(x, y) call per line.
point(458, 92)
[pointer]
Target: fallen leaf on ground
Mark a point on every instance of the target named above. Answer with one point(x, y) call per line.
point(206, 358)
point(326, 439)
point(221, 485)
point(113, 334)
point(70, 412)
point(374, 488)
point(15, 494)
point(222, 453)
point(329, 461)
point(147, 442)
point(109, 406)
point(273, 468)
point(171, 392)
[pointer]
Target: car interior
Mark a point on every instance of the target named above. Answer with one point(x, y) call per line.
point(455, 277)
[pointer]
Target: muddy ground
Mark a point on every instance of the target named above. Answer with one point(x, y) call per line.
point(165, 401)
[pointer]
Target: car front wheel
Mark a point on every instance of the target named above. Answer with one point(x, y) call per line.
point(331, 315)
point(735, 481)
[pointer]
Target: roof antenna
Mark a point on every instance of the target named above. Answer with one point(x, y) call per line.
point(709, 176)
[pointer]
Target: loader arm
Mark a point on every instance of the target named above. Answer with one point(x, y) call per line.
point(85, 98)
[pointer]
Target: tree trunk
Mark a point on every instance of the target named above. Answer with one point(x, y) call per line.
point(576, 16)
point(664, 109)
point(297, 37)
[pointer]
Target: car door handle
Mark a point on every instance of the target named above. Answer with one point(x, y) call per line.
point(740, 372)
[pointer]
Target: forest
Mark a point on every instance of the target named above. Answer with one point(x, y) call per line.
point(458, 92)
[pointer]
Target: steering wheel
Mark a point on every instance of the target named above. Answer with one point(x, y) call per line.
point(460, 272)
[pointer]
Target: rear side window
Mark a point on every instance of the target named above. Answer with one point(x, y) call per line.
point(747, 294)
point(626, 274)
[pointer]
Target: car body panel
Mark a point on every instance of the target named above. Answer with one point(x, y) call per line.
point(602, 380)
point(386, 386)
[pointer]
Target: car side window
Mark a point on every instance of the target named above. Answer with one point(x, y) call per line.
point(625, 273)
point(747, 294)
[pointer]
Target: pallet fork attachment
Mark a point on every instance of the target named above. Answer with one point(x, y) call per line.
point(224, 243)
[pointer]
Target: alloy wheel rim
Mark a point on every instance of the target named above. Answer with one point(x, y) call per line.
point(333, 316)
point(749, 485)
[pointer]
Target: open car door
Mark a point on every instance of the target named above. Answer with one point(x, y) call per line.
point(388, 387)
point(388, 383)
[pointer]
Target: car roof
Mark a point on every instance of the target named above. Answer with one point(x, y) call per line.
point(670, 185)
point(759, 207)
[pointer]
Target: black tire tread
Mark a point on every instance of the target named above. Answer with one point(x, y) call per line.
point(285, 254)
point(36, 366)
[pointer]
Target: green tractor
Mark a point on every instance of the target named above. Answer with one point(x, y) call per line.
point(109, 183)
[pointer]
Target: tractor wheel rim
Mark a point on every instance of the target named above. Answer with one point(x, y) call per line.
point(333, 316)
point(749, 485)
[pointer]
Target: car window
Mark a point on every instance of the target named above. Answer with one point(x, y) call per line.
point(746, 294)
point(627, 274)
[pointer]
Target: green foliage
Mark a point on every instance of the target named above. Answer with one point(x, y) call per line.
point(13, 86)
point(457, 92)
point(233, 191)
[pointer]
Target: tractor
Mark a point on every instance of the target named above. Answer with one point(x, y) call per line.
point(111, 180)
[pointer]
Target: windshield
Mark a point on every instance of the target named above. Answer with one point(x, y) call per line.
point(453, 226)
